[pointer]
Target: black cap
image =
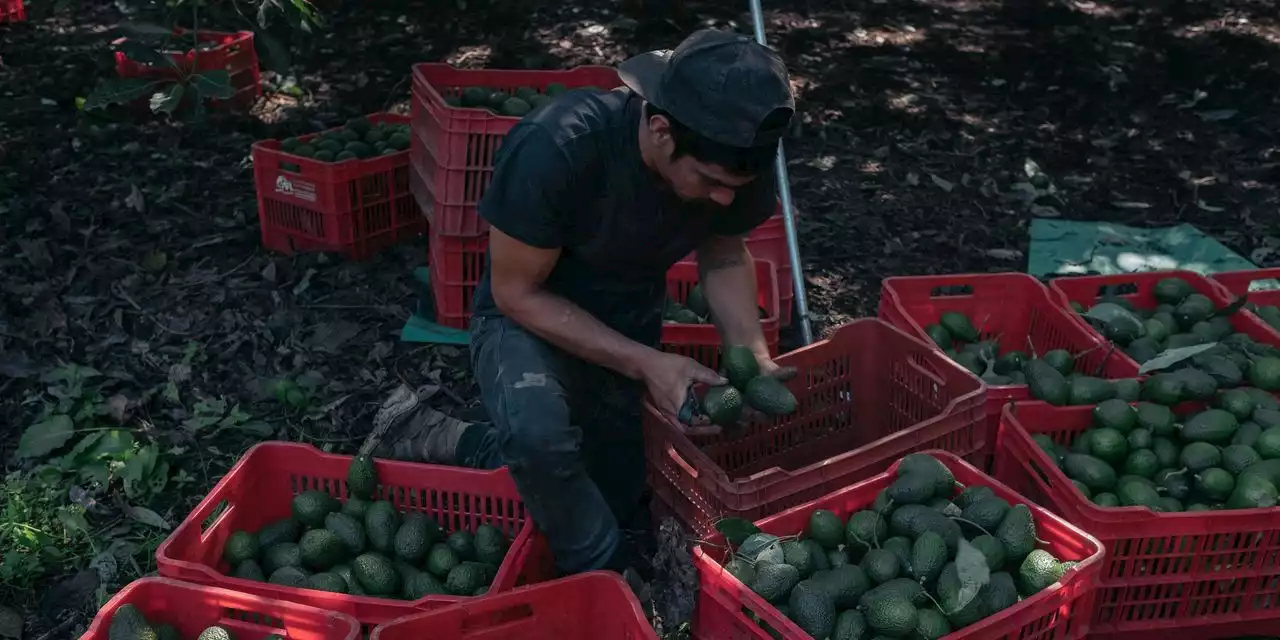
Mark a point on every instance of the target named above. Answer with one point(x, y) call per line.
point(722, 85)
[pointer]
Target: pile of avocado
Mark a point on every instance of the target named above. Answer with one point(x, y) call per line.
point(723, 404)
point(924, 560)
point(1269, 314)
point(365, 547)
point(128, 623)
point(515, 104)
point(1224, 457)
point(695, 309)
point(1050, 377)
point(357, 140)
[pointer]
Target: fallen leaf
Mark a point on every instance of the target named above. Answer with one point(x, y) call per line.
point(1004, 254)
point(1200, 204)
point(147, 517)
point(1045, 211)
point(942, 183)
point(912, 178)
point(135, 200)
point(154, 261)
point(1130, 204)
point(1217, 115)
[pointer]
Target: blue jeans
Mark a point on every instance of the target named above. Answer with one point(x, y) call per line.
point(569, 432)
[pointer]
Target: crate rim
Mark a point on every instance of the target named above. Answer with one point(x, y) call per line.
point(1091, 563)
point(768, 322)
point(273, 144)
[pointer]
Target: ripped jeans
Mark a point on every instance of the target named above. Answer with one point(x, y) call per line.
point(570, 433)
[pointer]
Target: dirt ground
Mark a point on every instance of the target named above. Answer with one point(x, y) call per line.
point(134, 249)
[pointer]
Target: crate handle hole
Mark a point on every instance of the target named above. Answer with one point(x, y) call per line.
point(681, 462)
point(951, 290)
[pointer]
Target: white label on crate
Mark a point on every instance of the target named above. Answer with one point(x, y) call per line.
point(296, 188)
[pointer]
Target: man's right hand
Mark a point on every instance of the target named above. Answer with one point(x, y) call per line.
point(668, 377)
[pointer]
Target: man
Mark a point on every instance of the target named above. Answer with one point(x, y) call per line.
point(593, 198)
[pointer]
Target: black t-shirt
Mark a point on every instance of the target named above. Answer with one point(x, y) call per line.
point(570, 176)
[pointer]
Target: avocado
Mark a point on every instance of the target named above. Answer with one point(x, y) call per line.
point(376, 574)
point(1109, 445)
point(1133, 492)
point(850, 625)
point(911, 488)
point(1198, 456)
point(1115, 414)
point(986, 514)
point(846, 583)
point(421, 585)
point(249, 570)
point(1164, 388)
point(825, 528)
point(992, 549)
point(311, 507)
point(1094, 473)
point(939, 335)
point(1194, 308)
point(1215, 484)
point(913, 520)
point(240, 546)
point(722, 405)
point(285, 554)
point(770, 396)
point(362, 478)
point(1047, 383)
point(959, 326)
point(356, 508)
point(1214, 426)
point(864, 530)
point(284, 530)
point(901, 547)
point(289, 577)
point(441, 559)
point(774, 582)
point(928, 555)
point(879, 565)
point(796, 554)
point(415, 537)
point(1017, 532)
point(327, 582)
point(1253, 491)
point(972, 494)
point(1039, 570)
point(813, 609)
point(349, 530)
point(1127, 389)
point(893, 617)
point(515, 108)
point(321, 549)
point(359, 124)
point(1265, 374)
point(380, 525)
point(1172, 290)
point(128, 623)
point(491, 545)
point(961, 609)
point(465, 578)
point(1141, 462)
point(1156, 418)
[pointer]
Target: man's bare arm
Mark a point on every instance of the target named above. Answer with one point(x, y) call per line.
point(516, 276)
point(728, 277)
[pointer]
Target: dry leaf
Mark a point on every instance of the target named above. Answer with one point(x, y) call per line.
point(135, 200)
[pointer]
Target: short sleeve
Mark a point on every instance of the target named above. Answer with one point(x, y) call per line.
point(752, 205)
point(528, 197)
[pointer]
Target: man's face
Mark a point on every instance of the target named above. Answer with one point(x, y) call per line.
point(691, 179)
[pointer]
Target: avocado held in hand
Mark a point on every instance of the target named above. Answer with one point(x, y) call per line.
point(769, 396)
point(722, 405)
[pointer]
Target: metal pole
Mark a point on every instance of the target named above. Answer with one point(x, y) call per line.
point(788, 213)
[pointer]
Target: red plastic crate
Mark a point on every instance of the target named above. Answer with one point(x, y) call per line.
point(1162, 570)
point(867, 395)
point(1013, 307)
point(12, 11)
point(457, 264)
point(702, 341)
point(355, 207)
point(1060, 612)
point(1236, 284)
point(192, 608)
point(586, 606)
point(1137, 289)
point(769, 242)
point(1251, 629)
point(233, 52)
point(259, 488)
point(454, 148)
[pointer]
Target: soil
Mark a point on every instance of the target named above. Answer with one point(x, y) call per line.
point(124, 243)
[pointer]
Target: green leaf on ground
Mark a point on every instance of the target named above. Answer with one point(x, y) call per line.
point(119, 91)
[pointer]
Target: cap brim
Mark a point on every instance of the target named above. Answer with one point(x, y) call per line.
point(643, 74)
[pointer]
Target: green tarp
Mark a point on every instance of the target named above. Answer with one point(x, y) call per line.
point(420, 327)
point(1063, 246)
